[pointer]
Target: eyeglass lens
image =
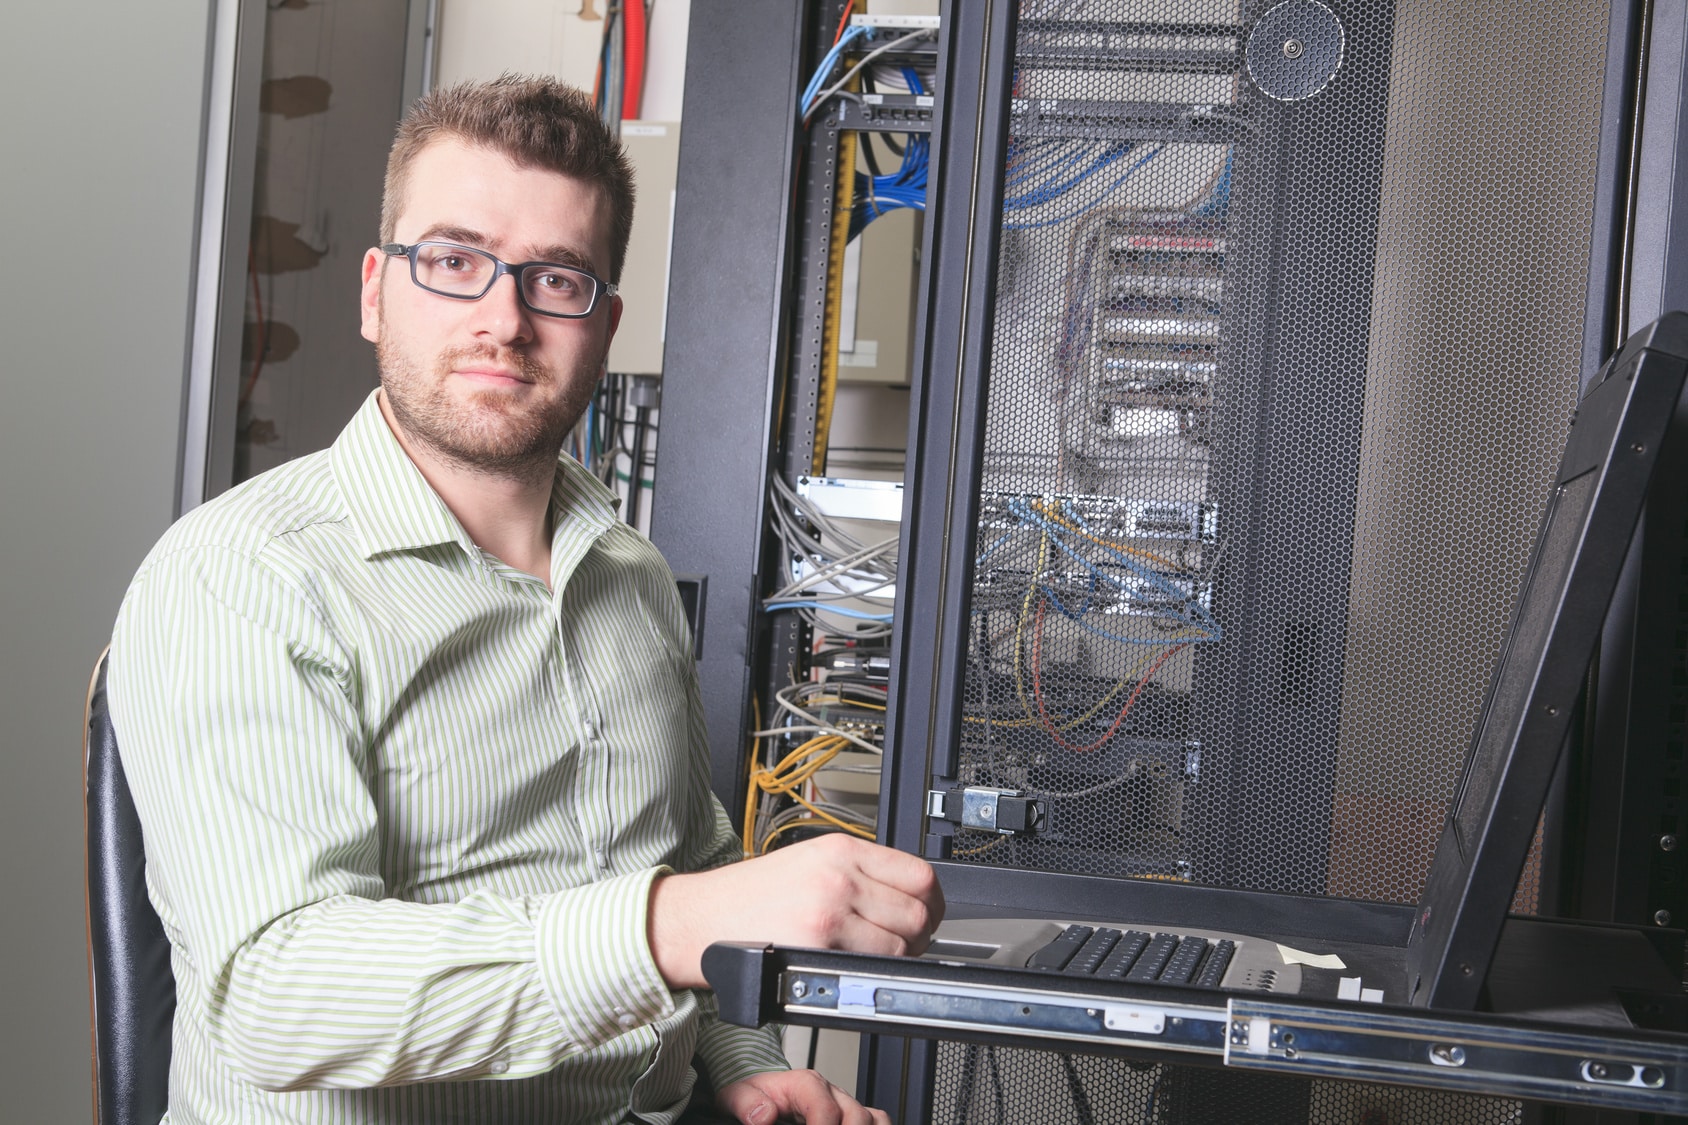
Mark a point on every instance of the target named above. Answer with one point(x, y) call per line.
point(459, 271)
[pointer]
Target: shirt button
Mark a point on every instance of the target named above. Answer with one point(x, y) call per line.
point(603, 858)
point(627, 1019)
point(500, 1065)
point(590, 729)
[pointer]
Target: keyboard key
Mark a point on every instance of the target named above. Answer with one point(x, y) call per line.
point(1124, 955)
point(1181, 966)
point(1088, 959)
point(1218, 960)
point(1057, 953)
point(1154, 959)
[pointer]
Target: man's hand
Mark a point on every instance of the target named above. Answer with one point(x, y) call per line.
point(795, 1095)
point(835, 892)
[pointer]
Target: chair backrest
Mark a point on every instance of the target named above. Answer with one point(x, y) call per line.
point(134, 992)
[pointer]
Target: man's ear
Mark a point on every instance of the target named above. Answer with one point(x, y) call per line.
point(369, 300)
point(615, 321)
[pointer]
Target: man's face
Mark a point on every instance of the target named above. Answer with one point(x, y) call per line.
point(488, 384)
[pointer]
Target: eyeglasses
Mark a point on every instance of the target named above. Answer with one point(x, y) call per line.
point(468, 274)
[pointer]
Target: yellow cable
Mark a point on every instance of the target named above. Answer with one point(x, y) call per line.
point(1048, 512)
point(978, 850)
point(749, 826)
point(1101, 703)
point(805, 822)
point(826, 745)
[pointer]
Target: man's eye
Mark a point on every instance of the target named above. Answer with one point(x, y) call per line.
point(555, 281)
point(442, 260)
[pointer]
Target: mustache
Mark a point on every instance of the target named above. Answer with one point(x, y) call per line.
point(530, 369)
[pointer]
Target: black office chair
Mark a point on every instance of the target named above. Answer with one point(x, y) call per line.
point(134, 991)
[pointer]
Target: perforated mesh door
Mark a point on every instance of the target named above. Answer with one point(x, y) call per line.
point(1287, 337)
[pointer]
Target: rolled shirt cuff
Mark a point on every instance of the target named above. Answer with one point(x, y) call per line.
point(595, 958)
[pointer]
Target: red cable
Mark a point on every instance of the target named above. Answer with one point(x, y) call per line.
point(1037, 687)
point(849, 6)
point(633, 40)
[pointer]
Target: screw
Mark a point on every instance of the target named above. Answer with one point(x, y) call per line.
point(1667, 842)
point(1639, 448)
point(1661, 917)
point(1293, 48)
point(799, 989)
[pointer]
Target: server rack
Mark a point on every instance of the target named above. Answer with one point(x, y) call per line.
point(1296, 254)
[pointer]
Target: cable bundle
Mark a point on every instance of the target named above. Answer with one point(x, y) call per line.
point(1042, 171)
point(840, 567)
point(1172, 610)
point(906, 187)
point(777, 778)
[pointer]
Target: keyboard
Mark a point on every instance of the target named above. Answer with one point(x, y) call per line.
point(1132, 955)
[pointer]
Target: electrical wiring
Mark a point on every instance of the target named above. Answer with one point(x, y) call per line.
point(788, 778)
point(836, 568)
point(792, 700)
point(813, 100)
point(1061, 527)
point(817, 603)
point(844, 19)
point(1029, 720)
point(635, 37)
point(811, 821)
point(1101, 196)
point(747, 830)
point(828, 61)
point(1059, 534)
point(808, 532)
point(1049, 724)
point(906, 187)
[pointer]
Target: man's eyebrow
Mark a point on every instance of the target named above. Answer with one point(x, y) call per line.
point(442, 232)
point(556, 254)
point(564, 256)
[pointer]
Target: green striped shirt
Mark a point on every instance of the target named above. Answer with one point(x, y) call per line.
point(403, 805)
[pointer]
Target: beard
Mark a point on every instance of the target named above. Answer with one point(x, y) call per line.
point(494, 433)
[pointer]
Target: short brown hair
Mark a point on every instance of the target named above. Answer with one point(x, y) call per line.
point(538, 123)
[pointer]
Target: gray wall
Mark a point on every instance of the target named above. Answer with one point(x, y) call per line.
point(101, 143)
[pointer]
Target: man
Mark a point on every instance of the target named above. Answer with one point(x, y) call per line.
point(412, 725)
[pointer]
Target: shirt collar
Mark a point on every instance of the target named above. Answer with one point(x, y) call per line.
point(393, 508)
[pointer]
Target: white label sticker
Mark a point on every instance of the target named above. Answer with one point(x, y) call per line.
point(1149, 1021)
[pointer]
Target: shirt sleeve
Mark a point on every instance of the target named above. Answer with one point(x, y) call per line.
point(729, 1053)
point(235, 706)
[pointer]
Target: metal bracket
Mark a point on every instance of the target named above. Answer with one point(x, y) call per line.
point(1449, 1053)
point(1008, 812)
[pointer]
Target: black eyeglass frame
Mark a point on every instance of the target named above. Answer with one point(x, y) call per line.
point(600, 287)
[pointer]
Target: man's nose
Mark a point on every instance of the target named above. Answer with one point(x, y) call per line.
point(501, 314)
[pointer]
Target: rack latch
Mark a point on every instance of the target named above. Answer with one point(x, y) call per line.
point(1006, 811)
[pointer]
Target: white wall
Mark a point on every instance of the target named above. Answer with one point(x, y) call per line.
point(101, 137)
